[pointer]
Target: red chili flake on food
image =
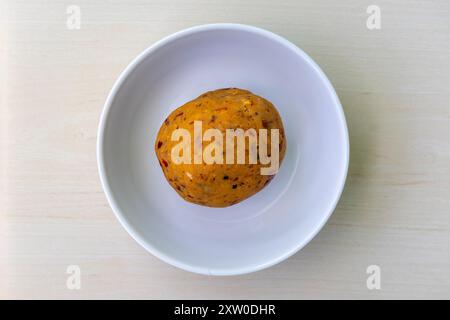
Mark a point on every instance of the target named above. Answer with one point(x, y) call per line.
point(265, 123)
point(180, 114)
point(225, 177)
point(234, 186)
point(165, 163)
point(159, 144)
point(166, 122)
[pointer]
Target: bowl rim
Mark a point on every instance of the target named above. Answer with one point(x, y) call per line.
point(101, 137)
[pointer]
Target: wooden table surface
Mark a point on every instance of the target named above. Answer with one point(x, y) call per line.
point(393, 83)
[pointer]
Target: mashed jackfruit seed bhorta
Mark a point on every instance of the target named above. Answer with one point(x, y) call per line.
point(222, 147)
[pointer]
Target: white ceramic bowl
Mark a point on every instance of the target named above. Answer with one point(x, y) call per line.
point(264, 229)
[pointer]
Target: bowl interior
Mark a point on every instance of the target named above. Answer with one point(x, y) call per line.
point(263, 229)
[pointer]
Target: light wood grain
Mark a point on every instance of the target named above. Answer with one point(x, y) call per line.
point(394, 86)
